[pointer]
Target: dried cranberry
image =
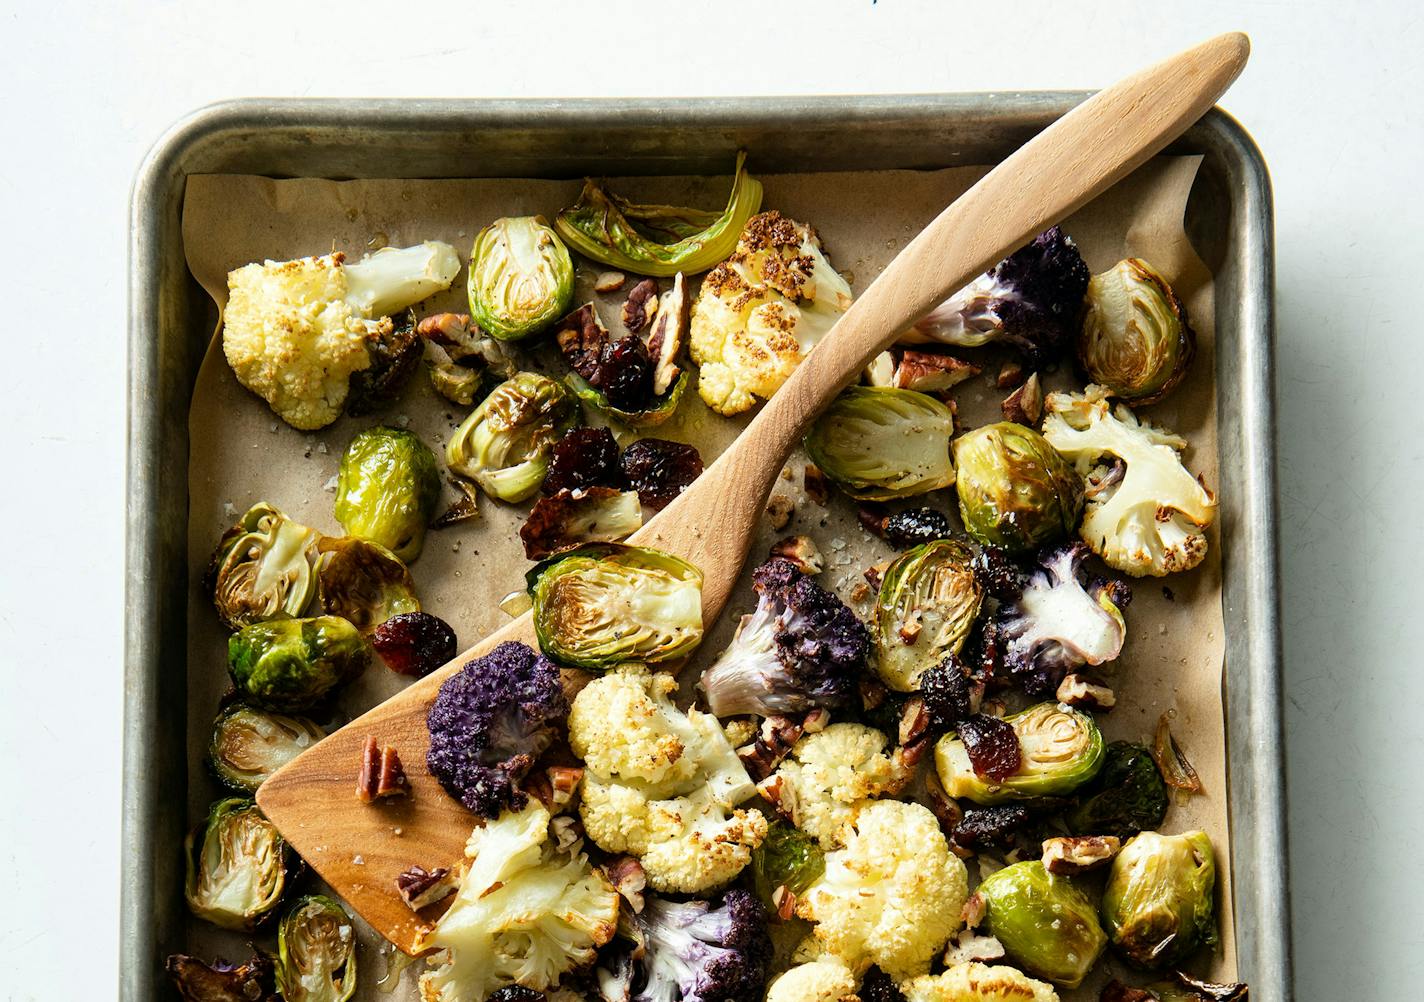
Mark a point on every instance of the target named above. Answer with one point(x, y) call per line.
point(516, 993)
point(624, 374)
point(993, 746)
point(585, 457)
point(999, 574)
point(414, 643)
point(877, 986)
point(581, 339)
point(916, 527)
point(946, 692)
point(660, 470)
point(989, 827)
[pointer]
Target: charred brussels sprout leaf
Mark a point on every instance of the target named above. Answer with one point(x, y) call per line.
point(505, 443)
point(236, 866)
point(293, 664)
point(364, 583)
point(1015, 491)
point(601, 605)
point(1048, 926)
point(249, 744)
point(1060, 750)
point(387, 490)
point(1135, 339)
point(877, 443)
point(1127, 797)
point(1159, 902)
point(221, 981)
point(264, 568)
point(787, 857)
point(928, 601)
point(316, 952)
point(521, 277)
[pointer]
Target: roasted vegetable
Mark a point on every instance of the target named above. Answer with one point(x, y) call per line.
point(221, 981)
point(395, 354)
point(1015, 491)
point(975, 982)
point(657, 239)
point(787, 857)
point(264, 568)
point(387, 489)
point(295, 332)
point(1047, 925)
point(1182, 988)
point(877, 443)
point(316, 952)
point(1135, 339)
point(488, 724)
point(640, 411)
point(236, 865)
point(601, 605)
point(1126, 797)
point(249, 744)
point(363, 582)
point(1028, 301)
point(584, 515)
point(801, 648)
point(504, 445)
point(1146, 515)
point(928, 601)
point(819, 980)
point(294, 664)
point(1159, 902)
point(620, 378)
point(414, 643)
point(459, 356)
point(521, 277)
point(1060, 750)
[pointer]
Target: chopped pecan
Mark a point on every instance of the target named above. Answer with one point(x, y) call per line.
point(815, 720)
point(445, 328)
point(626, 875)
point(563, 782)
point(914, 729)
point(567, 830)
point(1075, 854)
point(968, 946)
point(641, 306)
point(813, 482)
point(1083, 693)
point(1025, 404)
point(783, 903)
point(581, 338)
point(973, 911)
point(381, 774)
point(773, 743)
point(801, 551)
point(779, 510)
point(668, 331)
point(876, 573)
point(860, 593)
point(419, 888)
point(609, 281)
point(944, 807)
point(929, 372)
point(1011, 374)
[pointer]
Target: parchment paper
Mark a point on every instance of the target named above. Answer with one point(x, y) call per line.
point(241, 453)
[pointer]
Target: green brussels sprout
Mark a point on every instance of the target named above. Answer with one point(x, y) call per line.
point(264, 568)
point(237, 872)
point(1047, 925)
point(1135, 338)
point(1015, 490)
point(787, 857)
point(928, 601)
point(1060, 749)
point(316, 952)
point(1160, 899)
point(1126, 797)
point(293, 664)
point(663, 407)
point(877, 443)
point(387, 489)
point(249, 744)
point(601, 605)
point(505, 443)
point(363, 582)
point(521, 277)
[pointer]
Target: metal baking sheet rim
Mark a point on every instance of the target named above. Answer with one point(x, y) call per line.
point(169, 318)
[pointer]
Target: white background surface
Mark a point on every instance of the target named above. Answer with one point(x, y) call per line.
point(1332, 95)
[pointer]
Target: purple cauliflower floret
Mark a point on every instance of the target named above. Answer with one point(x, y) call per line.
point(802, 648)
point(220, 981)
point(1029, 300)
point(690, 951)
point(489, 723)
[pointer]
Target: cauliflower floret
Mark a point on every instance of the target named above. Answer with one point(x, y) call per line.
point(295, 332)
point(975, 982)
point(892, 897)
point(818, 981)
point(830, 776)
point(1145, 513)
point(661, 784)
point(525, 913)
point(761, 311)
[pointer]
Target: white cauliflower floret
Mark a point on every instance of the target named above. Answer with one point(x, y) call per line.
point(661, 784)
point(893, 896)
point(295, 332)
point(830, 776)
point(525, 913)
point(761, 311)
point(1145, 513)
point(974, 982)
point(817, 981)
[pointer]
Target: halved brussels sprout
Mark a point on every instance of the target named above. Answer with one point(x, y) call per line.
point(363, 582)
point(293, 664)
point(237, 872)
point(601, 605)
point(1060, 749)
point(877, 443)
point(316, 952)
point(662, 408)
point(249, 744)
point(1135, 339)
point(521, 277)
point(1015, 491)
point(1047, 925)
point(504, 445)
point(787, 857)
point(1160, 900)
point(387, 489)
point(264, 568)
point(928, 601)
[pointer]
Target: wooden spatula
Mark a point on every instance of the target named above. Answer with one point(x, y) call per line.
point(360, 848)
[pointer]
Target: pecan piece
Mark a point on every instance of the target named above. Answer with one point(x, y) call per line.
point(814, 483)
point(626, 875)
point(581, 338)
point(563, 782)
point(1082, 693)
point(641, 306)
point(1075, 854)
point(1025, 404)
point(783, 903)
point(1011, 375)
point(801, 551)
point(420, 888)
point(609, 281)
point(773, 743)
point(381, 774)
point(929, 372)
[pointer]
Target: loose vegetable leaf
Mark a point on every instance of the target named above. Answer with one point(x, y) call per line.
point(1177, 772)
